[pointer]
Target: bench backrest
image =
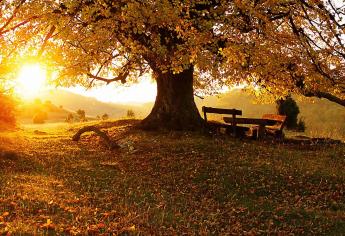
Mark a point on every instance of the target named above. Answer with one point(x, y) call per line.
point(280, 120)
point(233, 112)
point(221, 111)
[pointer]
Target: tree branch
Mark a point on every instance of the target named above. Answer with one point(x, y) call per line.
point(12, 16)
point(18, 25)
point(327, 96)
point(121, 77)
point(48, 36)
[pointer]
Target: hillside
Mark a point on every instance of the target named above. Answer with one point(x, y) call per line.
point(169, 183)
point(92, 107)
point(59, 104)
point(26, 111)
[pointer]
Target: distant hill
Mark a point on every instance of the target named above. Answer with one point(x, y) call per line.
point(28, 110)
point(72, 102)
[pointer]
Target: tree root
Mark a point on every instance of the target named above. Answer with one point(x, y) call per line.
point(111, 144)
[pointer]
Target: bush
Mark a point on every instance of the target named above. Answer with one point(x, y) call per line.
point(289, 108)
point(40, 117)
point(81, 114)
point(105, 116)
point(130, 113)
point(300, 125)
point(69, 118)
point(7, 111)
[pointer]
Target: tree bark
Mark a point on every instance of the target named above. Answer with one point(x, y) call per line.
point(174, 108)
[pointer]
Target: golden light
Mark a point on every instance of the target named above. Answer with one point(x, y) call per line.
point(31, 80)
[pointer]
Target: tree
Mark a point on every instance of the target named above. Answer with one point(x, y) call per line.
point(81, 114)
point(40, 117)
point(69, 118)
point(281, 46)
point(105, 116)
point(130, 114)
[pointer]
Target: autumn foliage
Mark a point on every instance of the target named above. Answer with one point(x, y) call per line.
point(7, 111)
point(280, 47)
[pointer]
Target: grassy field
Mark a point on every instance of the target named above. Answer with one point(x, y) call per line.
point(166, 184)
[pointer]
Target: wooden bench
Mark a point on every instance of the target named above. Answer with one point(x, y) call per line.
point(276, 124)
point(268, 124)
point(233, 112)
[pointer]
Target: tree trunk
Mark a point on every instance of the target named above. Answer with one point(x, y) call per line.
point(174, 108)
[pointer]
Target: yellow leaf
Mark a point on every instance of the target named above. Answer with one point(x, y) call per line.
point(6, 213)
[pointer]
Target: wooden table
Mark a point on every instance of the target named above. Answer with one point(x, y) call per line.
point(255, 121)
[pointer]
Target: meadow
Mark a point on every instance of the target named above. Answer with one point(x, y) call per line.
point(167, 183)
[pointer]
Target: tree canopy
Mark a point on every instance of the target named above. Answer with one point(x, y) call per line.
point(280, 46)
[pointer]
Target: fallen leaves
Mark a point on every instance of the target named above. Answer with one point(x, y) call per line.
point(6, 213)
point(48, 225)
point(175, 183)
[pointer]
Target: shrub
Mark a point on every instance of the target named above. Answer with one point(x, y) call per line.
point(289, 108)
point(300, 125)
point(69, 118)
point(40, 117)
point(130, 113)
point(81, 114)
point(105, 116)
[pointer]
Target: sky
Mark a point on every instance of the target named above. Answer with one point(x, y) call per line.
point(143, 92)
point(32, 81)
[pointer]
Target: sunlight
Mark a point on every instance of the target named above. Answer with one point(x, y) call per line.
point(31, 80)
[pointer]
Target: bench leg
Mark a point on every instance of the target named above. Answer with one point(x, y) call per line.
point(261, 132)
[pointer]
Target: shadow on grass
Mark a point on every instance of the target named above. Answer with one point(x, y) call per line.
point(15, 162)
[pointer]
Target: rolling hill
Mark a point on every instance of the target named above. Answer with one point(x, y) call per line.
point(59, 104)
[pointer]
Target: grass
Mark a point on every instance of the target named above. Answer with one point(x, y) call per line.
point(167, 183)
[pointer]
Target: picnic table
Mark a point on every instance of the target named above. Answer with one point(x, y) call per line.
point(252, 121)
point(269, 123)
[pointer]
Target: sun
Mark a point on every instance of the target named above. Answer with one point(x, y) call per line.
point(31, 80)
